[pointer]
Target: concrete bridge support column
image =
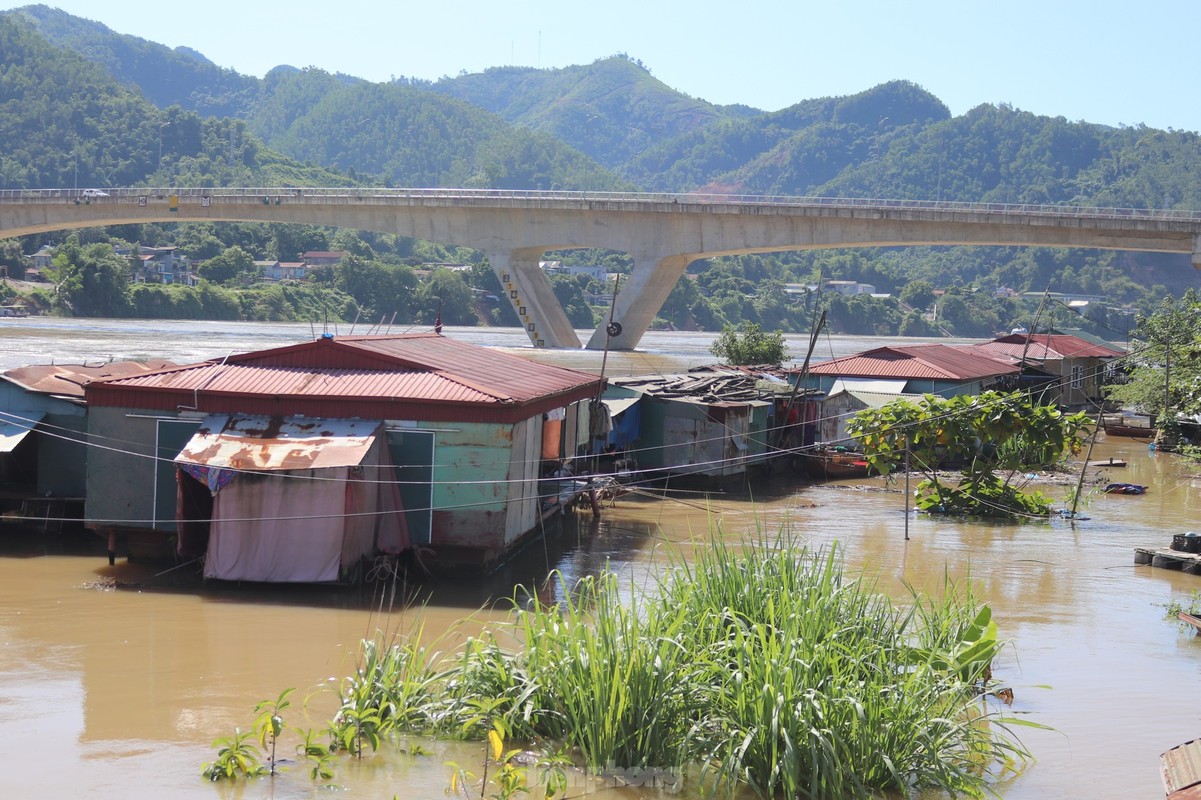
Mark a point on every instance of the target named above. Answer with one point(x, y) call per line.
point(1197, 250)
point(526, 286)
point(640, 298)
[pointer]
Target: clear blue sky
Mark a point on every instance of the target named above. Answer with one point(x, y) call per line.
point(1104, 61)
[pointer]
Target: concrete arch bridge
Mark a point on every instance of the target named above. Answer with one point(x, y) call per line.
point(663, 233)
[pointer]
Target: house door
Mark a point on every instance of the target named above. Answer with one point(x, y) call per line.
point(169, 438)
point(412, 454)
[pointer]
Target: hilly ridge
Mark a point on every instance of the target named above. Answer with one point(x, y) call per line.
point(83, 105)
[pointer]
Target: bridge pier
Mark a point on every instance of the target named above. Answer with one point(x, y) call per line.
point(528, 289)
point(1197, 250)
point(639, 300)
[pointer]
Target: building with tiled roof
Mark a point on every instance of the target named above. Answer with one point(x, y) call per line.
point(321, 258)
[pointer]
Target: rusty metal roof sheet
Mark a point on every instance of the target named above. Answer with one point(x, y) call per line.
point(711, 387)
point(1047, 347)
point(259, 442)
point(930, 361)
point(69, 379)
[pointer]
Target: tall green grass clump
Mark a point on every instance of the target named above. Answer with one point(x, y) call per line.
point(397, 687)
point(760, 664)
point(812, 684)
point(765, 666)
point(595, 674)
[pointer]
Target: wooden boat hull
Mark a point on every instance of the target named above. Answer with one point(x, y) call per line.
point(1106, 462)
point(1130, 431)
point(1117, 425)
point(834, 466)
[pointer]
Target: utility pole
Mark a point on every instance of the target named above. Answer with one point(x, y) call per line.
point(906, 487)
point(1167, 375)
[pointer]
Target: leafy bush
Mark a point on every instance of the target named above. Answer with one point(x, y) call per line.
point(749, 344)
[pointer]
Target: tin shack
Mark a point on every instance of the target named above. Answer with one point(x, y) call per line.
point(711, 424)
point(342, 448)
point(43, 432)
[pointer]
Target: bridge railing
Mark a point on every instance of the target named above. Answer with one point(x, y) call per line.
point(272, 194)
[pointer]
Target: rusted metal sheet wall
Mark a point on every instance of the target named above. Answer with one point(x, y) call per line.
point(730, 429)
point(702, 439)
point(835, 412)
point(470, 492)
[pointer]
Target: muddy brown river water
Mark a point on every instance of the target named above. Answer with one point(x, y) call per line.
point(119, 692)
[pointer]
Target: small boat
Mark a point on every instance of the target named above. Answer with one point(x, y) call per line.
point(1118, 425)
point(833, 465)
point(1191, 619)
point(1124, 488)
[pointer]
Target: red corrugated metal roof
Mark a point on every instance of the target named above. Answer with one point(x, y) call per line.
point(930, 361)
point(217, 378)
point(491, 372)
point(69, 379)
point(422, 369)
point(1048, 347)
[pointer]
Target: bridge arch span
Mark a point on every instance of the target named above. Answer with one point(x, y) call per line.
point(662, 232)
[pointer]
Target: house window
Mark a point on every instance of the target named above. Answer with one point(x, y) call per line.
point(1077, 377)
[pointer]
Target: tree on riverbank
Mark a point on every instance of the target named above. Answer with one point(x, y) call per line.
point(1165, 377)
point(92, 280)
point(748, 344)
point(993, 438)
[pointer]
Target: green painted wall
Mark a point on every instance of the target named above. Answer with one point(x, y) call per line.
point(472, 462)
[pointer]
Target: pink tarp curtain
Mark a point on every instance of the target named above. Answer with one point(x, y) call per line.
point(302, 526)
point(277, 527)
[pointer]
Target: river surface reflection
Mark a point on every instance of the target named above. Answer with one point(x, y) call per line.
point(118, 693)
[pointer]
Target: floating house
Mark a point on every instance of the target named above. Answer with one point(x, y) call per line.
point(43, 431)
point(297, 463)
point(708, 425)
point(1077, 368)
point(874, 378)
point(920, 369)
point(849, 396)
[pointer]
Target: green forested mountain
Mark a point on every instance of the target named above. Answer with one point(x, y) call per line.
point(164, 76)
point(83, 105)
point(790, 152)
point(66, 122)
point(405, 136)
point(612, 109)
